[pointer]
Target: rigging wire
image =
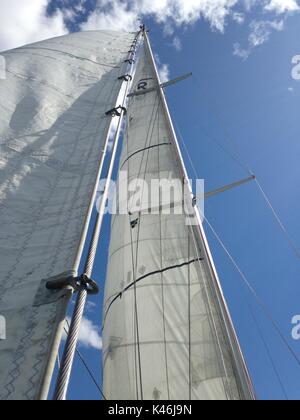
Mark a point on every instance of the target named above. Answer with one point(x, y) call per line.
point(217, 345)
point(241, 273)
point(85, 365)
point(266, 346)
point(278, 220)
point(214, 323)
point(236, 157)
point(254, 293)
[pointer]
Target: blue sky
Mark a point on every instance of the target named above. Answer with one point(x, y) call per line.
point(242, 98)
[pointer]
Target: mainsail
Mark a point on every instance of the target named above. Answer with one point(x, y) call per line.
point(167, 334)
point(52, 132)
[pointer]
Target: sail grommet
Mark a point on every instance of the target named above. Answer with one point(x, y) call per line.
point(117, 112)
point(126, 77)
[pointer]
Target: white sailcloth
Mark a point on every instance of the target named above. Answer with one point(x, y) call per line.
point(52, 129)
point(163, 335)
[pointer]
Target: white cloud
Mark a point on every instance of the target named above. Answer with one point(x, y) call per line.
point(177, 44)
point(274, 16)
point(260, 32)
point(164, 73)
point(118, 16)
point(175, 13)
point(89, 336)
point(282, 6)
point(163, 70)
point(124, 14)
point(239, 17)
point(238, 51)
point(23, 22)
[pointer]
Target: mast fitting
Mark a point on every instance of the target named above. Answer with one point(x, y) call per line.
point(134, 223)
point(77, 283)
point(130, 61)
point(126, 77)
point(116, 112)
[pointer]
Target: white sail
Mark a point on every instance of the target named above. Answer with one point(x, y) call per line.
point(52, 130)
point(164, 332)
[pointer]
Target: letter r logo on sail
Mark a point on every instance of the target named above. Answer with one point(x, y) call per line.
point(2, 328)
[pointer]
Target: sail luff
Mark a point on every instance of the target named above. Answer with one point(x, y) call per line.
point(241, 366)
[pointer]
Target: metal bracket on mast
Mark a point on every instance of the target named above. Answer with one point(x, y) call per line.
point(162, 85)
point(126, 77)
point(117, 112)
point(130, 61)
point(77, 283)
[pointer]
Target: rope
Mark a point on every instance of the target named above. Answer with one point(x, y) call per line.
point(278, 220)
point(210, 313)
point(255, 294)
point(236, 158)
point(268, 352)
point(89, 371)
point(72, 339)
point(242, 275)
point(70, 348)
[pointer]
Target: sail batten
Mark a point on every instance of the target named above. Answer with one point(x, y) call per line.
point(53, 127)
point(165, 335)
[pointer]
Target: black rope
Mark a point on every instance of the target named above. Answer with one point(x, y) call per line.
point(142, 150)
point(153, 273)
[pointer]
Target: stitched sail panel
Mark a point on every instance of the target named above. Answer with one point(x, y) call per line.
point(52, 130)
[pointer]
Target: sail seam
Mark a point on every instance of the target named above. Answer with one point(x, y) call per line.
point(153, 273)
point(143, 150)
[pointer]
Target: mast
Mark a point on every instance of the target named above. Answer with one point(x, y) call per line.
point(241, 366)
point(86, 282)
